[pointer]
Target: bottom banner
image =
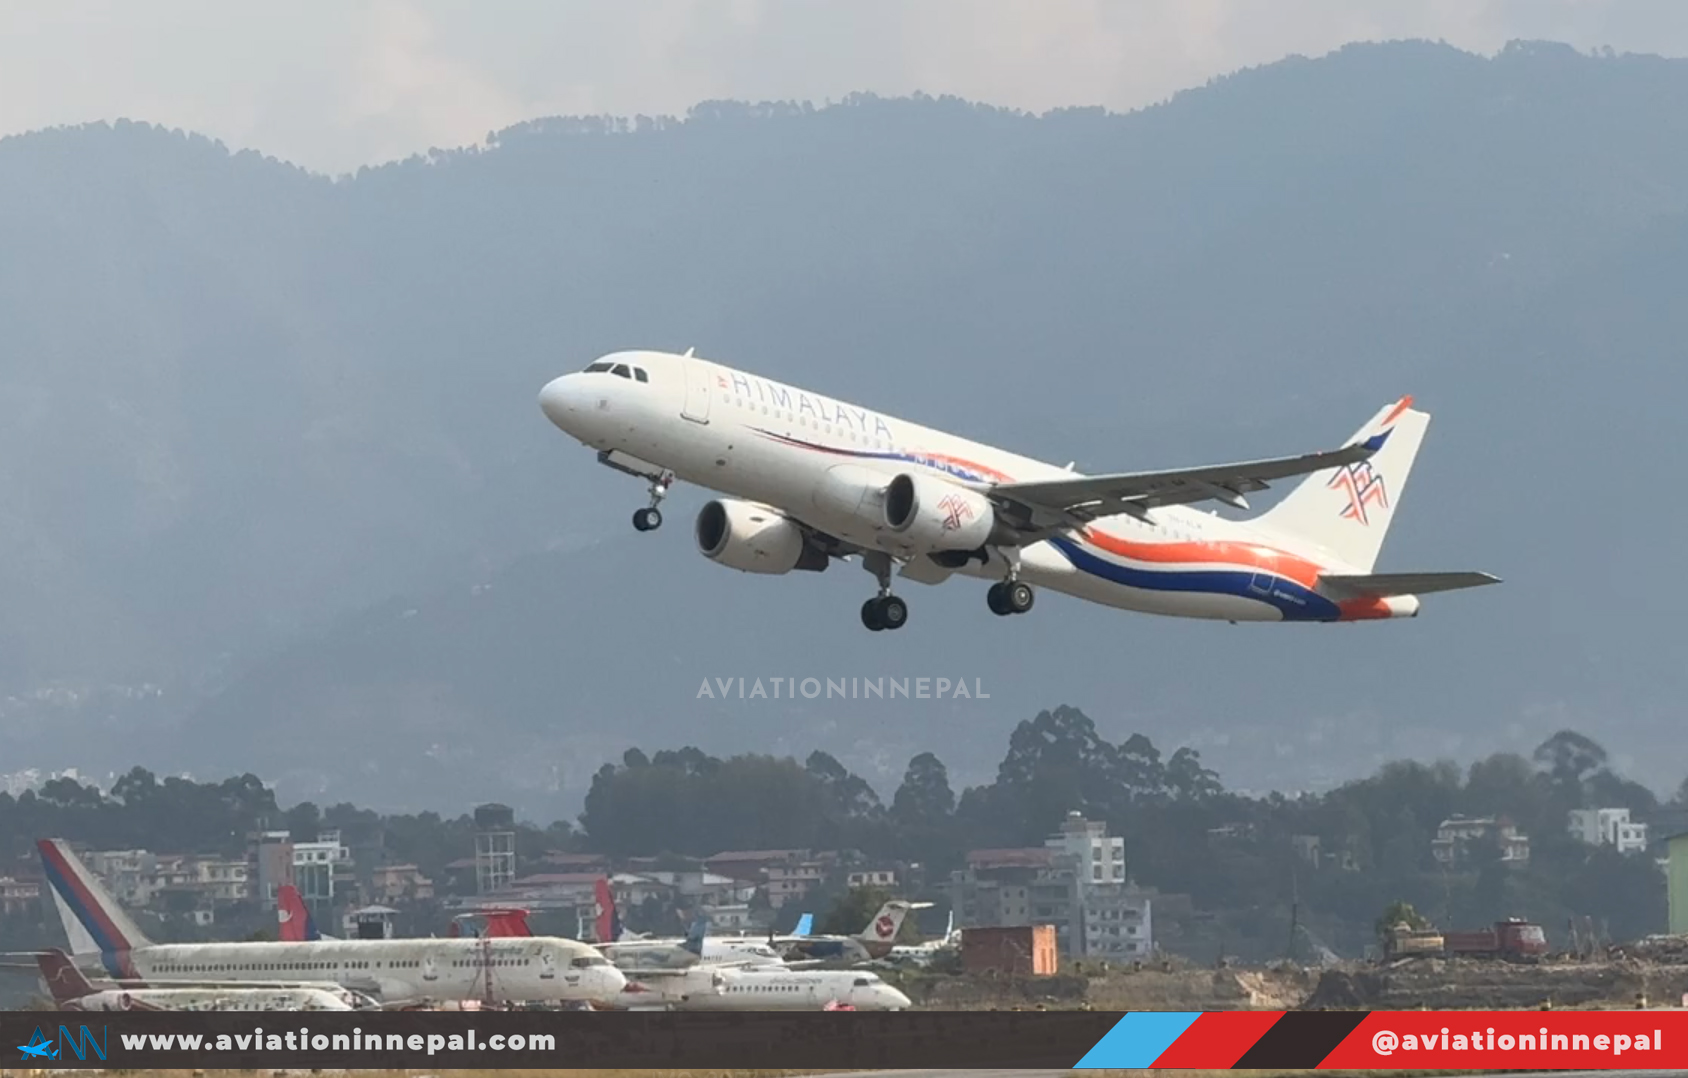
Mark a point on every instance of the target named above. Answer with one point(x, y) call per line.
point(1042, 1040)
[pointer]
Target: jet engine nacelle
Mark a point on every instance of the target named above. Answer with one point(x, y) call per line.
point(753, 538)
point(929, 514)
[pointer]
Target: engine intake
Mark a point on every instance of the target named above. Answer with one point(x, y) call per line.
point(754, 539)
point(929, 514)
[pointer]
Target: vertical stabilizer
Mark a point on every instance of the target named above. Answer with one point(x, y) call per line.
point(1341, 515)
point(93, 920)
point(293, 917)
point(64, 981)
point(886, 923)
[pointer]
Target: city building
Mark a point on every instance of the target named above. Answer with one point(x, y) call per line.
point(495, 848)
point(1458, 836)
point(400, 883)
point(1608, 827)
point(872, 877)
point(272, 864)
point(1676, 882)
point(1100, 859)
point(223, 881)
point(785, 875)
point(319, 867)
point(1076, 883)
point(19, 896)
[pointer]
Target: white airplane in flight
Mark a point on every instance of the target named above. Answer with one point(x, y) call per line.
point(393, 971)
point(810, 479)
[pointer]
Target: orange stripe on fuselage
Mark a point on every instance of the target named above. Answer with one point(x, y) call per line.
point(1366, 609)
point(1252, 555)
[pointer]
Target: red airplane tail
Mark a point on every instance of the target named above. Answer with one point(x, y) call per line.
point(607, 926)
point(294, 919)
point(503, 924)
point(64, 980)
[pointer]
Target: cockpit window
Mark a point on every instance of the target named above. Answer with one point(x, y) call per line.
point(864, 982)
point(594, 368)
point(621, 370)
point(589, 961)
point(639, 373)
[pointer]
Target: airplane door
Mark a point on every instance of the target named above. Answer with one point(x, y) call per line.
point(699, 379)
point(1261, 584)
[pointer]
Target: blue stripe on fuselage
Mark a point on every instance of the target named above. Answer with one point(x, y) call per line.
point(1292, 600)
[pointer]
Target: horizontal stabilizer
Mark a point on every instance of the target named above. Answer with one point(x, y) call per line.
point(1385, 585)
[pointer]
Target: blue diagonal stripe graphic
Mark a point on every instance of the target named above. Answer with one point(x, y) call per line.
point(1137, 1040)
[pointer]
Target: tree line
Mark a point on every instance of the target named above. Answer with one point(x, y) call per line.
point(1243, 860)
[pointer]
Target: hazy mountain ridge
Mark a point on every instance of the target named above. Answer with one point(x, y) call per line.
point(239, 401)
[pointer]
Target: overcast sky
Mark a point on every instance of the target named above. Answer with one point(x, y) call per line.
point(333, 84)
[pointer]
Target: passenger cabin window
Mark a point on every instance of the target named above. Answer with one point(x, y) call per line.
point(621, 370)
point(597, 367)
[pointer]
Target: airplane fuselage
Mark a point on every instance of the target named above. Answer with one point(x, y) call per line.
point(705, 988)
point(530, 969)
point(826, 463)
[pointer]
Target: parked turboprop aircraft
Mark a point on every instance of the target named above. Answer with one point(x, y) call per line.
point(811, 479)
point(759, 988)
point(529, 969)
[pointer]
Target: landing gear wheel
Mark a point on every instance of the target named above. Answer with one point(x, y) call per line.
point(647, 519)
point(1017, 596)
point(893, 612)
point(870, 615)
point(997, 601)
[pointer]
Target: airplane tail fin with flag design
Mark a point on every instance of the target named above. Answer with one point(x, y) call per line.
point(1343, 513)
point(293, 917)
point(92, 919)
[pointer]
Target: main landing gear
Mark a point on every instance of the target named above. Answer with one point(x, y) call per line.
point(885, 611)
point(1009, 597)
point(650, 518)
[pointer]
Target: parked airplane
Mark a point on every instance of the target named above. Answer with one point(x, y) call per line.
point(72, 991)
point(811, 479)
point(922, 954)
point(876, 940)
point(697, 949)
point(759, 988)
point(532, 969)
point(633, 952)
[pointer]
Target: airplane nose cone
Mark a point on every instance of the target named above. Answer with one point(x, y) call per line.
point(560, 399)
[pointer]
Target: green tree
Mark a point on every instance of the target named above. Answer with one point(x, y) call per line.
point(925, 797)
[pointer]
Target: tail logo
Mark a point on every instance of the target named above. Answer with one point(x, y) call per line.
point(884, 926)
point(1364, 487)
point(955, 510)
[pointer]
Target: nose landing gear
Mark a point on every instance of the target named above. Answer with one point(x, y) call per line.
point(650, 518)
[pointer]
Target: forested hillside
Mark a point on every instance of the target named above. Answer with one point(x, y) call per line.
point(275, 494)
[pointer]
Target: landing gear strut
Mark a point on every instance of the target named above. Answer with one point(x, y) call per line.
point(885, 611)
point(650, 518)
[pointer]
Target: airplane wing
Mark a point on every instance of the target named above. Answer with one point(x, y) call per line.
point(1065, 502)
point(1384, 585)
